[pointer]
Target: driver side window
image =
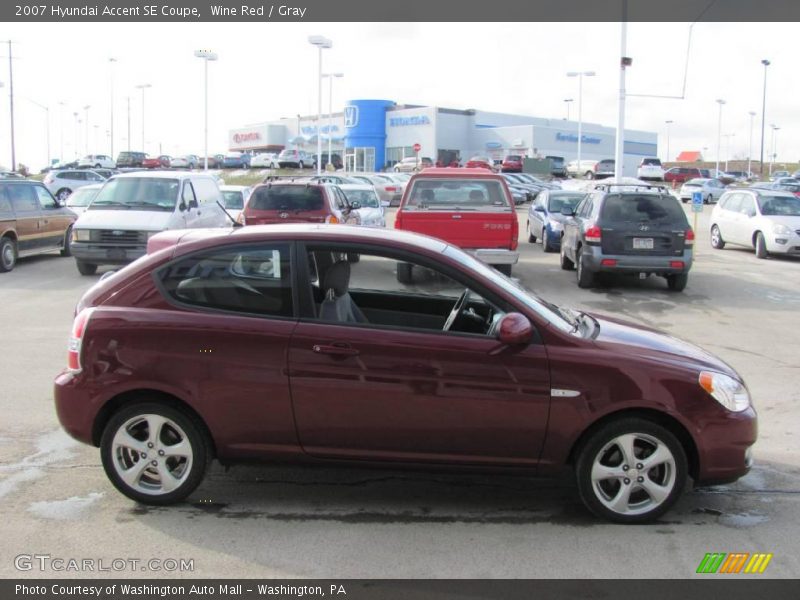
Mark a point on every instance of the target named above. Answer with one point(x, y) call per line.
point(380, 291)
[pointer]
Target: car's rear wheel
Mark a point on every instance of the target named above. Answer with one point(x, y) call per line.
point(8, 254)
point(405, 273)
point(504, 269)
point(97, 166)
point(63, 194)
point(566, 263)
point(589, 174)
point(154, 454)
point(716, 238)
point(584, 276)
point(631, 471)
point(677, 282)
point(761, 246)
point(531, 237)
point(66, 249)
point(85, 268)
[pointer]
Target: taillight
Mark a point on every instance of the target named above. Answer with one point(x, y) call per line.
point(514, 232)
point(593, 234)
point(689, 239)
point(390, 188)
point(676, 264)
point(332, 219)
point(596, 167)
point(608, 262)
point(76, 340)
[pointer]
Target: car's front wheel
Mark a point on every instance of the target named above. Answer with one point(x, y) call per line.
point(85, 268)
point(631, 471)
point(531, 237)
point(761, 246)
point(66, 248)
point(154, 454)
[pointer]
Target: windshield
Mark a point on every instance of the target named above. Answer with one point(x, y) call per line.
point(139, 193)
point(286, 153)
point(550, 312)
point(233, 199)
point(366, 198)
point(461, 194)
point(559, 201)
point(81, 197)
point(779, 206)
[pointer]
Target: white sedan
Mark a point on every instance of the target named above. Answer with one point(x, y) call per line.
point(366, 205)
point(268, 160)
point(767, 220)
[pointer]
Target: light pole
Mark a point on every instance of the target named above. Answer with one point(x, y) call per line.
point(719, 132)
point(580, 75)
point(752, 114)
point(11, 105)
point(111, 62)
point(568, 101)
point(143, 87)
point(774, 128)
point(322, 43)
point(728, 137)
point(86, 119)
point(62, 104)
point(77, 133)
point(96, 131)
point(330, 76)
point(47, 116)
point(766, 63)
point(668, 124)
point(129, 123)
point(206, 55)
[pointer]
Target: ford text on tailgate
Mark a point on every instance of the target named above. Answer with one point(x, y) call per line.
point(469, 208)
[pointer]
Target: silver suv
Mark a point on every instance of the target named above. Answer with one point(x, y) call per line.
point(62, 183)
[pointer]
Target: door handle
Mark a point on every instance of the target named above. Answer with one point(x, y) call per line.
point(335, 350)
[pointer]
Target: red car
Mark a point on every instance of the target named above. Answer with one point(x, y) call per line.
point(512, 163)
point(262, 343)
point(682, 174)
point(472, 209)
point(301, 201)
point(157, 162)
point(479, 162)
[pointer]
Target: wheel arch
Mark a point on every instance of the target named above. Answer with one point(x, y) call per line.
point(10, 234)
point(116, 403)
point(667, 421)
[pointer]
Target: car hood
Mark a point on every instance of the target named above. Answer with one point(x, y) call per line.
point(128, 220)
point(556, 216)
point(628, 339)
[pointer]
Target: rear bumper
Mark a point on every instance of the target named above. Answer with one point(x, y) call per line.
point(106, 255)
point(495, 256)
point(635, 263)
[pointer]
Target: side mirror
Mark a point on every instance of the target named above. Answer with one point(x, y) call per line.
point(568, 211)
point(539, 208)
point(514, 329)
point(355, 205)
point(192, 204)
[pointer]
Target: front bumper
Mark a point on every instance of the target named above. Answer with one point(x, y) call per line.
point(635, 263)
point(783, 243)
point(495, 256)
point(725, 448)
point(100, 254)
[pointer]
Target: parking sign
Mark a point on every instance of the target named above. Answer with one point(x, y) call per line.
point(697, 201)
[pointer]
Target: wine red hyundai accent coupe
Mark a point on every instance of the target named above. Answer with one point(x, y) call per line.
point(298, 342)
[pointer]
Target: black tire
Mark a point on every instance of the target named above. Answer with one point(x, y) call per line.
point(677, 282)
point(97, 166)
point(566, 263)
point(589, 175)
point(396, 170)
point(63, 194)
point(194, 435)
point(300, 165)
point(592, 447)
point(761, 246)
point(8, 254)
point(353, 257)
point(504, 269)
point(546, 246)
point(85, 268)
point(531, 237)
point(585, 278)
point(684, 200)
point(66, 249)
point(716, 238)
point(405, 273)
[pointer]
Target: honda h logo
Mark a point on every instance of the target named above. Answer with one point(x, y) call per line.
point(350, 116)
point(284, 215)
point(644, 227)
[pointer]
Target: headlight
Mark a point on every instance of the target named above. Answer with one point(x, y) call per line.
point(781, 229)
point(726, 390)
point(81, 235)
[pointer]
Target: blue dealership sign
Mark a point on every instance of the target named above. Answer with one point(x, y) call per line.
point(571, 137)
point(406, 121)
point(351, 116)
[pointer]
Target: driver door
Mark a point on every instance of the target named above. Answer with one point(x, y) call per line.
point(397, 387)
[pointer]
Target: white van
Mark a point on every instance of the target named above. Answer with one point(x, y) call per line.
point(131, 207)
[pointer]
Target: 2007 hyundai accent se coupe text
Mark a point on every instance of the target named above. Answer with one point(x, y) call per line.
point(298, 343)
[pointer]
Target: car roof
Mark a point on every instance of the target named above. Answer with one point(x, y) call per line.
point(233, 188)
point(356, 186)
point(159, 175)
point(457, 173)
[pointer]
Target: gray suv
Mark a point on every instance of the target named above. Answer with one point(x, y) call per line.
point(629, 229)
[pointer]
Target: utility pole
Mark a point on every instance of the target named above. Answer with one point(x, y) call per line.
point(11, 105)
point(129, 123)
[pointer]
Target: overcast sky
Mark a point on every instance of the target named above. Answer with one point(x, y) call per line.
point(266, 71)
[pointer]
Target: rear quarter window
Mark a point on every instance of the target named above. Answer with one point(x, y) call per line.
point(297, 197)
point(457, 194)
point(634, 208)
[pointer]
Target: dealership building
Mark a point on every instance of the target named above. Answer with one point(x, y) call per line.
point(371, 135)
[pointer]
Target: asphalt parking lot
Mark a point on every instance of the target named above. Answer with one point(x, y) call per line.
point(274, 521)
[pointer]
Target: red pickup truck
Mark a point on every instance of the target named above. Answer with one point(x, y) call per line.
point(469, 208)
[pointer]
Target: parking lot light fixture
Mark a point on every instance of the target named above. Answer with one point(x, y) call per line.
point(721, 103)
point(752, 114)
point(568, 101)
point(322, 43)
point(111, 62)
point(86, 120)
point(766, 63)
point(207, 56)
point(330, 77)
point(143, 87)
point(774, 152)
point(580, 75)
